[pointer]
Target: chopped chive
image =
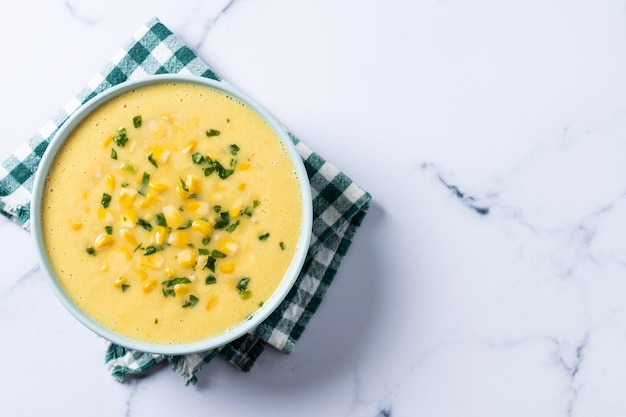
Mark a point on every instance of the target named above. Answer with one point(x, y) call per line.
point(242, 285)
point(203, 251)
point(137, 121)
point(108, 229)
point(212, 132)
point(233, 149)
point(113, 153)
point(180, 280)
point(256, 203)
point(264, 237)
point(169, 293)
point(206, 240)
point(150, 250)
point(282, 245)
point(121, 138)
point(152, 161)
point(156, 321)
point(245, 294)
point(187, 226)
point(159, 219)
point(125, 287)
point(261, 303)
point(143, 223)
point(193, 300)
point(218, 254)
point(217, 208)
point(210, 280)
point(197, 158)
point(145, 180)
point(231, 227)
point(210, 264)
point(91, 251)
point(222, 221)
point(183, 185)
point(106, 200)
point(124, 184)
point(137, 248)
point(127, 166)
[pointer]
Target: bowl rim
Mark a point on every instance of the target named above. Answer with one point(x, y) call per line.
point(269, 306)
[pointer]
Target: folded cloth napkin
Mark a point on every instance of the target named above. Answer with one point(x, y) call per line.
point(339, 207)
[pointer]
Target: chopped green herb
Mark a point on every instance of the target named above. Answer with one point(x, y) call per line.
point(210, 264)
point(159, 219)
point(169, 292)
point(137, 248)
point(145, 180)
point(152, 161)
point(256, 203)
point(193, 300)
point(108, 229)
point(212, 132)
point(261, 303)
point(127, 166)
point(231, 227)
point(222, 221)
point(124, 184)
point(156, 321)
point(183, 185)
point(150, 250)
point(264, 237)
point(113, 153)
point(210, 280)
point(206, 240)
point(145, 224)
point(125, 287)
point(121, 138)
point(91, 251)
point(247, 211)
point(180, 280)
point(137, 121)
point(245, 294)
point(242, 285)
point(233, 162)
point(203, 251)
point(197, 158)
point(106, 200)
point(218, 254)
point(233, 149)
point(282, 245)
point(217, 208)
point(208, 171)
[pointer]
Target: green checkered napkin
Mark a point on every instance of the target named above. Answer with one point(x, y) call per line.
point(339, 206)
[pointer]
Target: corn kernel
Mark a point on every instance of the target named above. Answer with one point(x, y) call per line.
point(190, 147)
point(103, 241)
point(242, 186)
point(127, 196)
point(152, 261)
point(128, 219)
point(168, 117)
point(173, 216)
point(201, 208)
point(179, 239)
point(158, 187)
point(227, 268)
point(76, 225)
point(160, 154)
point(126, 252)
point(243, 166)
point(110, 182)
point(156, 130)
point(119, 282)
point(153, 197)
point(128, 235)
point(160, 235)
point(144, 203)
point(228, 246)
point(149, 286)
point(104, 266)
point(106, 141)
point(102, 213)
point(193, 183)
point(201, 226)
point(169, 272)
point(143, 275)
point(211, 302)
point(181, 289)
point(234, 212)
point(181, 193)
point(187, 258)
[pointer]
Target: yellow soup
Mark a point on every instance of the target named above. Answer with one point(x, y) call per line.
point(171, 213)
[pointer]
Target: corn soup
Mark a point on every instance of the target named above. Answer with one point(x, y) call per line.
point(171, 213)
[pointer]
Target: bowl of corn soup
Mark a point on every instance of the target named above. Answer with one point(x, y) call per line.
point(171, 214)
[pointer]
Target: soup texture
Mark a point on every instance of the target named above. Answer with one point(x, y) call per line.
point(171, 213)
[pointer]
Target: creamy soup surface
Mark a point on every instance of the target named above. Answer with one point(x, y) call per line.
point(171, 213)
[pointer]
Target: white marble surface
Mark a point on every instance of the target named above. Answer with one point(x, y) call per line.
point(489, 278)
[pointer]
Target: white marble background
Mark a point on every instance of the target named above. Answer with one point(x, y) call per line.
point(489, 278)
